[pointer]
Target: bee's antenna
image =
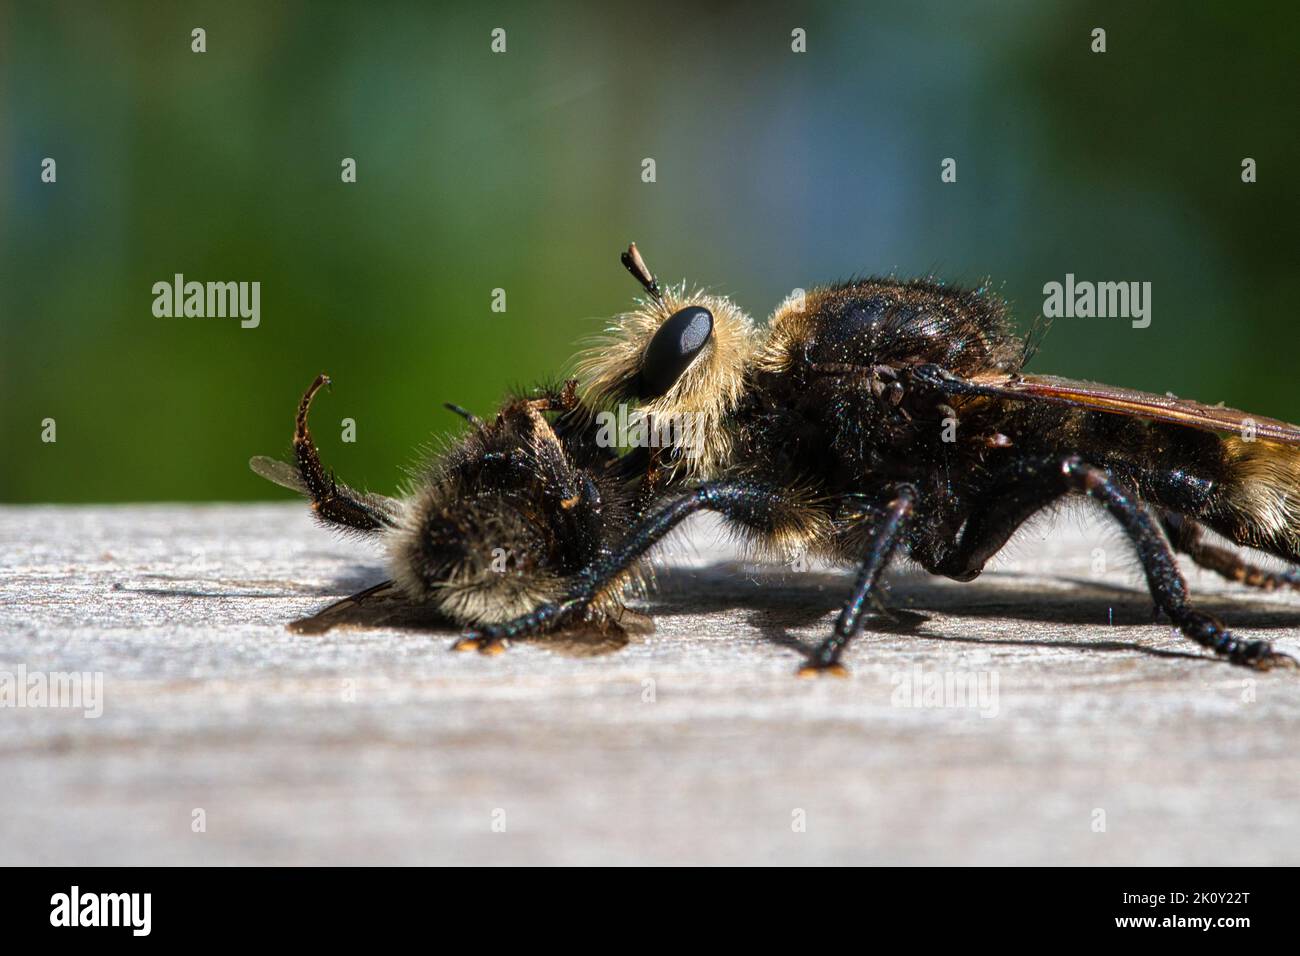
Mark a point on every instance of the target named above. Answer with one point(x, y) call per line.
point(463, 413)
point(634, 264)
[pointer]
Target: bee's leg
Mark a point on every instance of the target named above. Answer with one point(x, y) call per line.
point(886, 531)
point(740, 501)
point(333, 503)
point(1167, 586)
point(1185, 535)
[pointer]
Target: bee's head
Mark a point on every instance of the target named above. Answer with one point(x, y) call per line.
point(504, 521)
point(477, 559)
point(681, 357)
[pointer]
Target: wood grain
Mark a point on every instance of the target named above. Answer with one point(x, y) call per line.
point(693, 744)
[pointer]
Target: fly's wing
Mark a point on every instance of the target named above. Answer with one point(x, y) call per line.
point(1135, 404)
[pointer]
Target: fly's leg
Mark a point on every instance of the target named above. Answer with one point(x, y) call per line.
point(882, 541)
point(1166, 584)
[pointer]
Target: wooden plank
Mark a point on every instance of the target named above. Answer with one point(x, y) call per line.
point(694, 744)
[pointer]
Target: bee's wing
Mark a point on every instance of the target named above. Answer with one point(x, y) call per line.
point(382, 605)
point(1135, 404)
point(280, 472)
point(286, 476)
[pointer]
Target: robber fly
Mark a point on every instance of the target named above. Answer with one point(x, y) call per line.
point(879, 417)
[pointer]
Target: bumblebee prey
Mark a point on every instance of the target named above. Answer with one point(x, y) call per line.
point(863, 421)
point(505, 521)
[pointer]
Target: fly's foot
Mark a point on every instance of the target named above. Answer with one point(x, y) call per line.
point(1205, 629)
point(483, 643)
point(817, 669)
point(1261, 656)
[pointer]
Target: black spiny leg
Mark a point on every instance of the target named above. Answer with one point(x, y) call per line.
point(333, 503)
point(1166, 584)
point(1185, 535)
point(885, 534)
point(739, 501)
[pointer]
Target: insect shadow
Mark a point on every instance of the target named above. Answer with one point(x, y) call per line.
point(778, 603)
point(383, 606)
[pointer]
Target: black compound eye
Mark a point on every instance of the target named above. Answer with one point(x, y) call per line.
point(673, 348)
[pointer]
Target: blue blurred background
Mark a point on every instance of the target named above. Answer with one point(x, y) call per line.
point(522, 171)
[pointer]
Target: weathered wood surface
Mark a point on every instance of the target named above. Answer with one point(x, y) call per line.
point(380, 746)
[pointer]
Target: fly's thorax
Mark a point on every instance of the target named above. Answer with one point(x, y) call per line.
point(872, 322)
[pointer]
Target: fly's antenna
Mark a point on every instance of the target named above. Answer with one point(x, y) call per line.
point(634, 264)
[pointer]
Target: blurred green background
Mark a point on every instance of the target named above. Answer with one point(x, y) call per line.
point(522, 171)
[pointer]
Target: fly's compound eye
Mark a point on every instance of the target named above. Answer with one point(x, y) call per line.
point(673, 348)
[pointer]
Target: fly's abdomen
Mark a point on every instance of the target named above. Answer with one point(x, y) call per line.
point(1258, 503)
